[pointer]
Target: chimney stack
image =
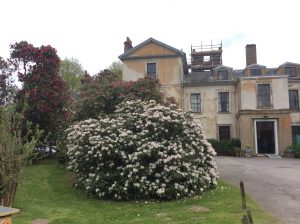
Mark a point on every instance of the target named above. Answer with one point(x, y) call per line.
point(251, 54)
point(127, 44)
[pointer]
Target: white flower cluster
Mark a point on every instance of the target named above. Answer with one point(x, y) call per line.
point(144, 150)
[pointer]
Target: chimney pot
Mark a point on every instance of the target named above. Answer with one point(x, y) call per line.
point(251, 54)
point(127, 44)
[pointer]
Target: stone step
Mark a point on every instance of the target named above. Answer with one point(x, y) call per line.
point(273, 156)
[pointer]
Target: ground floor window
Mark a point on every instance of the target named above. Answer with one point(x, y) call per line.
point(296, 134)
point(224, 132)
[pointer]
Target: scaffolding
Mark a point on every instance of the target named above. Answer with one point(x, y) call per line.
point(206, 57)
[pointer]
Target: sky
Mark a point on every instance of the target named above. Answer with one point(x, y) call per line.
point(93, 31)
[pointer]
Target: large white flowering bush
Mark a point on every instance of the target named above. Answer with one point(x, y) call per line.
point(144, 150)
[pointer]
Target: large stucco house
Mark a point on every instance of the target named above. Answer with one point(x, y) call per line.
point(258, 105)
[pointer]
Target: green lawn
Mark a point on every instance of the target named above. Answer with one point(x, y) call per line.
point(47, 193)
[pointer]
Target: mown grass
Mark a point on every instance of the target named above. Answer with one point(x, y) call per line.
point(46, 192)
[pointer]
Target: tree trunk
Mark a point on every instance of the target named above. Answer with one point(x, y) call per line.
point(9, 194)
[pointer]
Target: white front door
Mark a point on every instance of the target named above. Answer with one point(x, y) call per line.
point(266, 139)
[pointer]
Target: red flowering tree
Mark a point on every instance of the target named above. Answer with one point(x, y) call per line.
point(43, 89)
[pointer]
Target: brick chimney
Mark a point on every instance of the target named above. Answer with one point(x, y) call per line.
point(251, 54)
point(127, 44)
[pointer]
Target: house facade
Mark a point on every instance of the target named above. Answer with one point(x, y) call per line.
point(258, 105)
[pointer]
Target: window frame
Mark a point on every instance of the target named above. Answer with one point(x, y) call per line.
point(252, 73)
point(289, 68)
point(219, 102)
point(200, 103)
point(293, 136)
point(270, 105)
point(221, 72)
point(230, 131)
point(295, 100)
point(156, 72)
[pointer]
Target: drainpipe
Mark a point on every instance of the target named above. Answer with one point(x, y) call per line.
point(182, 89)
point(182, 96)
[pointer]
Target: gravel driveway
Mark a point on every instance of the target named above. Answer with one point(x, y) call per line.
point(274, 183)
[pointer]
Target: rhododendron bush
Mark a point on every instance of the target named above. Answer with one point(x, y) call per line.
point(143, 151)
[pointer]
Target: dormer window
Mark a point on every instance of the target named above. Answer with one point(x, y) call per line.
point(255, 72)
point(223, 75)
point(290, 71)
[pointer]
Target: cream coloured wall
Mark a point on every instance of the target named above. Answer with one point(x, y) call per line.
point(169, 68)
point(295, 115)
point(210, 117)
point(130, 74)
point(151, 49)
point(279, 92)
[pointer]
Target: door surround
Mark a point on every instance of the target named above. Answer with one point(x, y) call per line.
point(275, 133)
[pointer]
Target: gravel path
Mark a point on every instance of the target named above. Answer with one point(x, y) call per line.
point(274, 183)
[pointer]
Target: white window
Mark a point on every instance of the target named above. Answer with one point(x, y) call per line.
point(224, 132)
point(294, 99)
point(151, 70)
point(264, 95)
point(290, 71)
point(223, 75)
point(255, 72)
point(223, 99)
point(195, 102)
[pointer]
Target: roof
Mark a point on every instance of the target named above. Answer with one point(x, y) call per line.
point(197, 77)
point(289, 64)
point(255, 66)
point(180, 53)
point(271, 71)
point(206, 77)
point(237, 73)
point(222, 67)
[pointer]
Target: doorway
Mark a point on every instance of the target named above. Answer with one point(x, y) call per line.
point(266, 136)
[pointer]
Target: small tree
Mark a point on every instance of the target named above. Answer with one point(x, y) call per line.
point(72, 72)
point(6, 87)
point(14, 153)
point(116, 68)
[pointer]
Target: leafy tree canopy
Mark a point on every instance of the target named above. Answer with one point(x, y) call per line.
point(72, 72)
point(6, 86)
point(116, 68)
point(43, 88)
point(103, 92)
